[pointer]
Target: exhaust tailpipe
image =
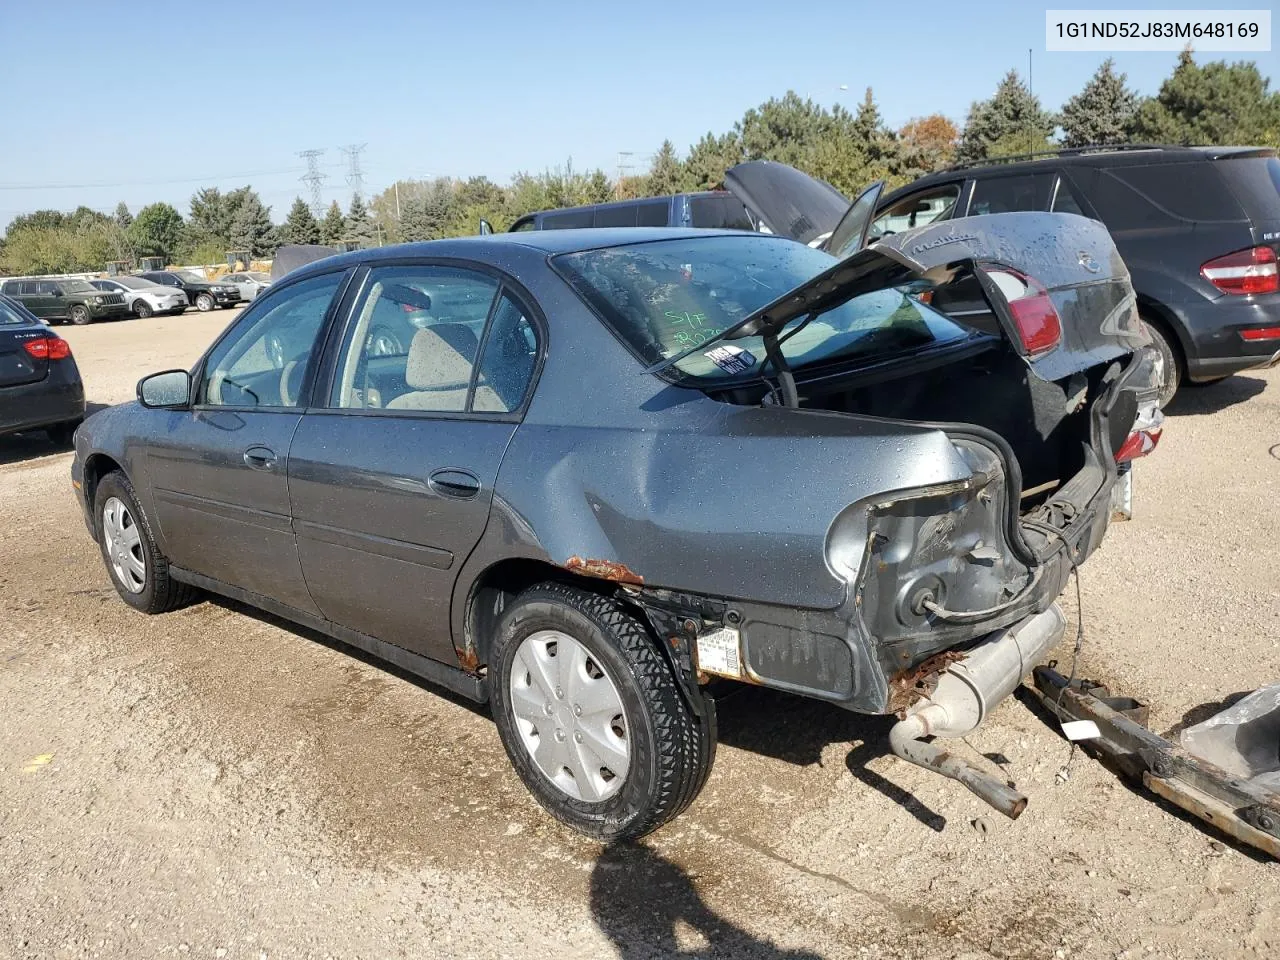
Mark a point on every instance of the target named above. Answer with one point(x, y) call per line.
point(967, 691)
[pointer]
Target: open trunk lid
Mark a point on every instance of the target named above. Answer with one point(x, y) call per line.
point(786, 201)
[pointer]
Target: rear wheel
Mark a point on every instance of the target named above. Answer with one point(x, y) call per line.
point(138, 570)
point(204, 303)
point(1170, 362)
point(142, 308)
point(61, 434)
point(591, 715)
point(80, 315)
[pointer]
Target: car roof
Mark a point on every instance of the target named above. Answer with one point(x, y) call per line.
point(492, 246)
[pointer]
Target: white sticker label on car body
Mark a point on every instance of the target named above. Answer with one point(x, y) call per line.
point(731, 359)
point(718, 652)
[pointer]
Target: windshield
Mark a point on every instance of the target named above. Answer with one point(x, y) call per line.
point(663, 298)
point(78, 286)
point(188, 277)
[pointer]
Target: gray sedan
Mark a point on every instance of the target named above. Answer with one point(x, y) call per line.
point(251, 283)
point(605, 467)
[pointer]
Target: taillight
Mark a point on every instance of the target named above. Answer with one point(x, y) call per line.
point(1142, 439)
point(48, 348)
point(1261, 333)
point(1039, 327)
point(1244, 272)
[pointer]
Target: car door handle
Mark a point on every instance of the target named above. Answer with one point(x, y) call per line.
point(451, 482)
point(260, 458)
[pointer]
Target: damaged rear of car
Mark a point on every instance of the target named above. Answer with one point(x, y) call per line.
point(983, 454)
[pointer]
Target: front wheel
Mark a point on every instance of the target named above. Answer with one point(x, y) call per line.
point(80, 315)
point(138, 570)
point(591, 715)
point(204, 303)
point(142, 309)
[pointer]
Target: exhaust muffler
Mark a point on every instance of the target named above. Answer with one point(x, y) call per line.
point(967, 691)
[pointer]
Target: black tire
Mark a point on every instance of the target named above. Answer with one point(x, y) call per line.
point(178, 311)
point(61, 434)
point(160, 593)
point(1171, 360)
point(80, 315)
point(205, 302)
point(671, 751)
point(142, 309)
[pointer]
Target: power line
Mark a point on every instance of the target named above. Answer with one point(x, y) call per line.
point(313, 179)
point(145, 183)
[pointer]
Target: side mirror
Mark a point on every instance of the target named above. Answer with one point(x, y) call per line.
point(168, 390)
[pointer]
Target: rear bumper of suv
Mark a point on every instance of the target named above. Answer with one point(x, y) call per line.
point(1215, 328)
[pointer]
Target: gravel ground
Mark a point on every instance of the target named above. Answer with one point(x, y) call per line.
point(216, 783)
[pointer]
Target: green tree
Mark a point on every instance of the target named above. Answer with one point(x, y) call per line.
point(301, 225)
point(1218, 104)
point(156, 231)
point(334, 225)
point(709, 158)
point(41, 218)
point(1103, 112)
point(359, 223)
point(665, 172)
point(122, 216)
point(1011, 122)
point(784, 129)
point(210, 217)
point(251, 228)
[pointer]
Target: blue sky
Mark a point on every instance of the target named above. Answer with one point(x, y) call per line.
point(149, 101)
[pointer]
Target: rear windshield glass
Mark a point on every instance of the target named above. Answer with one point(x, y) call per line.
point(665, 297)
point(10, 315)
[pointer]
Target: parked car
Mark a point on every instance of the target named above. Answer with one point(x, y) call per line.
point(1198, 227)
point(712, 209)
point(203, 293)
point(250, 283)
point(40, 386)
point(144, 297)
point(58, 299)
point(610, 465)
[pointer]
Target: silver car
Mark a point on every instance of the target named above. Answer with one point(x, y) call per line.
point(143, 296)
point(250, 283)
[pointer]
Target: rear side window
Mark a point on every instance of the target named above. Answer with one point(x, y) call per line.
point(1162, 195)
point(722, 213)
point(10, 315)
point(655, 213)
point(622, 216)
point(1256, 183)
point(1064, 199)
point(11, 287)
point(567, 219)
point(1029, 191)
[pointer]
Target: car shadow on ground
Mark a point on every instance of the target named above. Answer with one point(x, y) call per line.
point(640, 900)
point(33, 444)
point(796, 729)
point(1198, 399)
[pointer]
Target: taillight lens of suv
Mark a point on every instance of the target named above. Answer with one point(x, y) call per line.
point(1244, 272)
point(1039, 327)
point(48, 348)
point(1142, 438)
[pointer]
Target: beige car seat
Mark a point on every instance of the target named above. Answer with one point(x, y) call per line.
point(438, 371)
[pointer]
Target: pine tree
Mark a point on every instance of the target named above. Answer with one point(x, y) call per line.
point(359, 224)
point(156, 231)
point(334, 225)
point(1217, 104)
point(251, 229)
point(1103, 112)
point(709, 158)
point(1011, 122)
point(300, 226)
point(664, 173)
point(122, 216)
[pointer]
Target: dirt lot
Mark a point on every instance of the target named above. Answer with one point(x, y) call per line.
point(214, 783)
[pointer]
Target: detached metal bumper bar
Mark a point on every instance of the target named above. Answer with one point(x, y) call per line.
point(1242, 809)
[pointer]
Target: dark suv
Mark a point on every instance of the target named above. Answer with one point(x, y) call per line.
point(203, 293)
point(1198, 227)
point(713, 208)
point(61, 299)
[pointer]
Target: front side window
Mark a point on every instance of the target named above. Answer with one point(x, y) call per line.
point(263, 361)
point(917, 210)
point(414, 340)
point(1028, 191)
point(663, 298)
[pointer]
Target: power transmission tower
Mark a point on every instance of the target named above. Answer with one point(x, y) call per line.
point(313, 178)
point(355, 176)
point(624, 168)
